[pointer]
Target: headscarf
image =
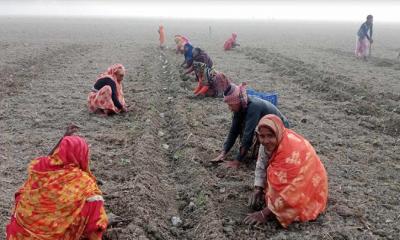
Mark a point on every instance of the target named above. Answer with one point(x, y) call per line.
point(49, 204)
point(73, 151)
point(181, 39)
point(274, 123)
point(111, 72)
point(236, 95)
point(234, 36)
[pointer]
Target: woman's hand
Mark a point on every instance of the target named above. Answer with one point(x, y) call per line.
point(71, 129)
point(257, 199)
point(257, 218)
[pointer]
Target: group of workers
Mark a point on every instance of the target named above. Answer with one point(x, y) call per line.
point(61, 200)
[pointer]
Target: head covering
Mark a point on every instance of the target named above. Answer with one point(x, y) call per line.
point(369, 16)
point(234, 36)
point(177, 38)
point(184, 39)
point(274, 123)
point(73, 151)
point(111, 72)
point(236, 95)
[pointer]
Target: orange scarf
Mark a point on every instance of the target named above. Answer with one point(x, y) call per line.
point(297, 183)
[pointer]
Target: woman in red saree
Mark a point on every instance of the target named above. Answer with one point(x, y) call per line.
point(290, 173)
point(60, 199)
point(107, 96)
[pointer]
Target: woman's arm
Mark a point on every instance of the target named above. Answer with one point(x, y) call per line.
point(233, 133)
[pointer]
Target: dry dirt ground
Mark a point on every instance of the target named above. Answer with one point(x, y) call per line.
point(154, 161)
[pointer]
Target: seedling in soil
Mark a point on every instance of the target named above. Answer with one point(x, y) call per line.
point(124, 161)
point(177, 155)
point(201, 199)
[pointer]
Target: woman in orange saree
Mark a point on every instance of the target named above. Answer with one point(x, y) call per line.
point(161, 32)
point(106, 96)
point(60, 199)
point(291, 174)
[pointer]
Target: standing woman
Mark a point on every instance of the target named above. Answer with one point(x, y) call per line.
point(161, 31)
point(60, 198)
point(106, 96)
point(290, 179)
point(364, 38)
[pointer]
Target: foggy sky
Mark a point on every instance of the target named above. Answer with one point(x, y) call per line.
point(342, 10)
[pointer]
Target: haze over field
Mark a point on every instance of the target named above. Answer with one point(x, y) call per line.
point(384, 11)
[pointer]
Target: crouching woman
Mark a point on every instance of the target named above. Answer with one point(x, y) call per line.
point(290, 179)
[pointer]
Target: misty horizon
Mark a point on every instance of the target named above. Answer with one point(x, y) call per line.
point(387, 11)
